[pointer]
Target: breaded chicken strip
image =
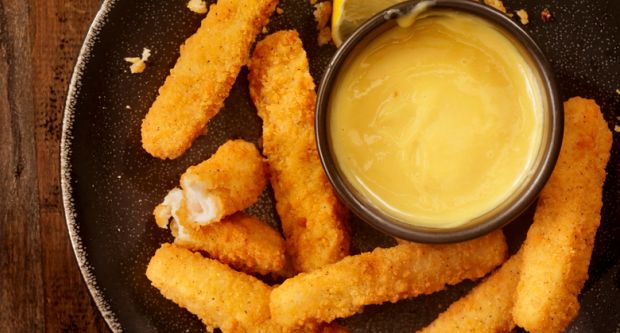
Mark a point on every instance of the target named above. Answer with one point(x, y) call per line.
point(556, 253)
point(229, 181)
point(407, 270)
point(201, 79)
point(220, 296)
point(313, 220)
point(487, 308)
point(241, 241)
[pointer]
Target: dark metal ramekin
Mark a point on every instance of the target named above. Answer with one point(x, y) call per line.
point(512, 207)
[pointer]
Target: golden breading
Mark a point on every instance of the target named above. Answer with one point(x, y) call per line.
point(487, 308)
point(229, 181)
point(241, 241)
point(219, 296)
point(234, 177)
point(201, 79)
point(556, 253)
point(406, 270)
point(313, 220)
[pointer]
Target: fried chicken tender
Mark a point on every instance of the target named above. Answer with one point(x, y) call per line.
point(218, 295)
point(200, 81)
point(229, 181)
point(486, 308)
point(313, 220)
point(556, 253)
point(240, 241)
point(406, 270)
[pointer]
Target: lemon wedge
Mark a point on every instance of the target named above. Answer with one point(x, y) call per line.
point(350, 14)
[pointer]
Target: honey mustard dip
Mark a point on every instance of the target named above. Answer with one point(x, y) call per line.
point(437, 122)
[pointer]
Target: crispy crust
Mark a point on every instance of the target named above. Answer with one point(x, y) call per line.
point(201, 79)
point(487, 308)
point(406, 270)
point(556, 253)
point(241, 241)
point(221, 297)
point(314, 221)
point(235, 175)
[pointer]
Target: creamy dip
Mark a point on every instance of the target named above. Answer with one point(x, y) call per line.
point(436, 122)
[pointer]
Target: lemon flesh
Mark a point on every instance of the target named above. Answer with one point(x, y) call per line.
point(347, 15)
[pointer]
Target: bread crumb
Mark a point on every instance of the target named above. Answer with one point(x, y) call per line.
point(322, 14)
point(325, 36)
point(127, 107)
point(523, 16)
point(312, 2)
point(138, 65)
point(279, 10)
point(497, 4)
point(545, 15)
point(617, 129)
point(265, 31)
point(197, 6)
point(618, 91)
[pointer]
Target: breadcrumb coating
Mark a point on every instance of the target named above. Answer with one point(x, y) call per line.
point(218, 295)
point(232, 179)
point(313, 220)
point(244, 242)
point(202, 77)
point(486, 308)
point(217, 187)
point(556, 253)
point(384, 275)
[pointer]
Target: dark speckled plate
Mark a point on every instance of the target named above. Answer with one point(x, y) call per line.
point(110, 184)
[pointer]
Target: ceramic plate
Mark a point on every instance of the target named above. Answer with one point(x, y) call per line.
point(111, 185)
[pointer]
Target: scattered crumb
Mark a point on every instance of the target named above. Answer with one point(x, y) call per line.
point(279, 10)
point(617, 129)
point(265, 31)
point(322, 14)
point(139, 64)
point(618, 91)
point(197, 6)
point(497, 4)
point(312, 2)
point(325, 36)
point(523, 16)
point(127, 107)
point(545, 15)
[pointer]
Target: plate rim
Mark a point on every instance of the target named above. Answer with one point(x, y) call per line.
point(81, 256)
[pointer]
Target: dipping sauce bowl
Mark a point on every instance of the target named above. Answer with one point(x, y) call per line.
point(438, 121)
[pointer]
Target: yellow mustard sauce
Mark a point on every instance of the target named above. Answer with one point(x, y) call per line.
point(437, 123)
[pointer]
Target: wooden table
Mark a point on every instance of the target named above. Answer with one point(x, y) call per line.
point(41, 289)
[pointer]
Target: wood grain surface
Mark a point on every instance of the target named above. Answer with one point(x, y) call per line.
point(41, 289)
